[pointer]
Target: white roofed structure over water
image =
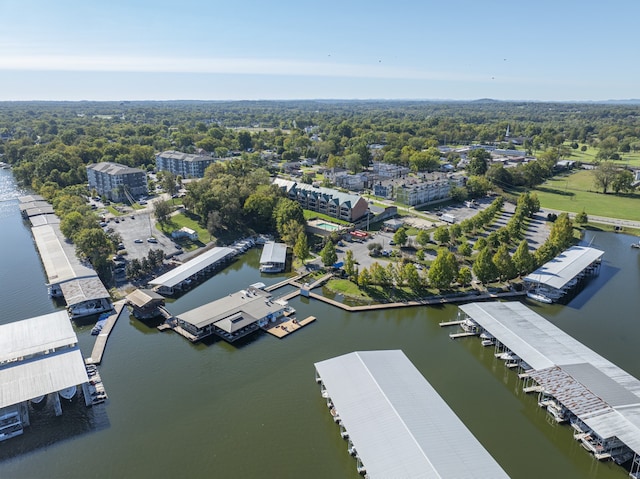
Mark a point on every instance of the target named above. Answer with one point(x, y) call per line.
point(602, 399)
point(556, 277)
point(38, 356)
point(397, 423)
point(181, 276)
point(232, 316)
point(67, 276)
point(273, 258)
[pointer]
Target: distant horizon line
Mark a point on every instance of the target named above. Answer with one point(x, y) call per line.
point(372, 100)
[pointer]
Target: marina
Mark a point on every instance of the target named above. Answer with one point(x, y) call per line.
point(395, 423)
point(600, 400)
point(143, 363)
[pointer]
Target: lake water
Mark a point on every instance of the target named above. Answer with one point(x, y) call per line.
point(253, 410)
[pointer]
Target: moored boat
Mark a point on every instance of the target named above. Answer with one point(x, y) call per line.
point(39, 401)
point(539, 297)
point(68, 393)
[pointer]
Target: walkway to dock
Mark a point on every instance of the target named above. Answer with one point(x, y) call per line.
point(290, 326)
point(421, 302)
point(101, 340)
point(285, 282)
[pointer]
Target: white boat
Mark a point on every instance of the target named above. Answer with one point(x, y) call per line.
point(635, 245)
point(39, 401)
point(539, 297)
point(87, 308)
point(68, 393)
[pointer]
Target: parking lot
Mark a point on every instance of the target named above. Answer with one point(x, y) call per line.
point(138, 225)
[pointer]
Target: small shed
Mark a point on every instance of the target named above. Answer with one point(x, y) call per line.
point(393, 224)
point(185, 232)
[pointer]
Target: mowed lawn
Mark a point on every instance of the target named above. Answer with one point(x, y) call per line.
point(576, 192)
point(626, 159)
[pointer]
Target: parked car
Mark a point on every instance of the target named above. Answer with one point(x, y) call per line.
point(152, 240)
point(138, 241)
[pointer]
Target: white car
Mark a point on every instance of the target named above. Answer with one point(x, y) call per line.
point(138, 241)
point(151, 240)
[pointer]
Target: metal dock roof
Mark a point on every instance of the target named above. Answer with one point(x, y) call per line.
point(193, 266)
point(234, 311)
point(59, 258)
point(564, 267)
point(30, 336)
point(274, 253)
point(605, 397)
point(398, 423)
point(31, 367)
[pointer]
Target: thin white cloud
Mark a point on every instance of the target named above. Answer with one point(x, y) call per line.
point(249, 66)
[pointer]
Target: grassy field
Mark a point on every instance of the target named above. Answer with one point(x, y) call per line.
point(626, 159)
point(178, 221)
point(576, 192)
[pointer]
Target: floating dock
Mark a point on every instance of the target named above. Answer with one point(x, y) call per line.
point(101, 339)
point(290, 326)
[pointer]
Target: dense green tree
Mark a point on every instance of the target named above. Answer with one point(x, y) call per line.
point(604, 175)
point(582, 218)
point(412, 277)
point(504, 263)
point(483, 267)
point(523, 260)
point(465, 249)
point(443, 270)
point(74, 222)
point(477, 165)
point(464, 276)
point(561, 235)
point(622, 182)
point(478, 186)
point(328, 254)
point(364, 278)
point(301, 248)
point(400, 236)
point(349, 264)
point(423, 238)
point(259, 210)
point(162, 211)
point(285, 211)
point(441, 235)
point(94, 245)
point(291, 231)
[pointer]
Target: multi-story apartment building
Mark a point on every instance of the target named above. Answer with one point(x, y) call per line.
point(181, 164)
point(328, 201)
point(117, 182)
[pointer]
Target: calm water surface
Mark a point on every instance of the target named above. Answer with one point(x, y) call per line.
point(254, 409)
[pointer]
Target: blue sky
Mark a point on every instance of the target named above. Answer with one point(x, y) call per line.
point(350, 49)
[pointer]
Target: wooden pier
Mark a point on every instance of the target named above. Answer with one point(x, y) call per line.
point(451, 323)
point(290, 326)
point(285, 282)
point(101, 341)
point(464, 334)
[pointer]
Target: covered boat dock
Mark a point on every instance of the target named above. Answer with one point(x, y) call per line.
point(273, 258)
point(181, 277)
point(68, 277)
point(575, 384)
point(38, 357)
point(396, 424)
point(564, 273)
